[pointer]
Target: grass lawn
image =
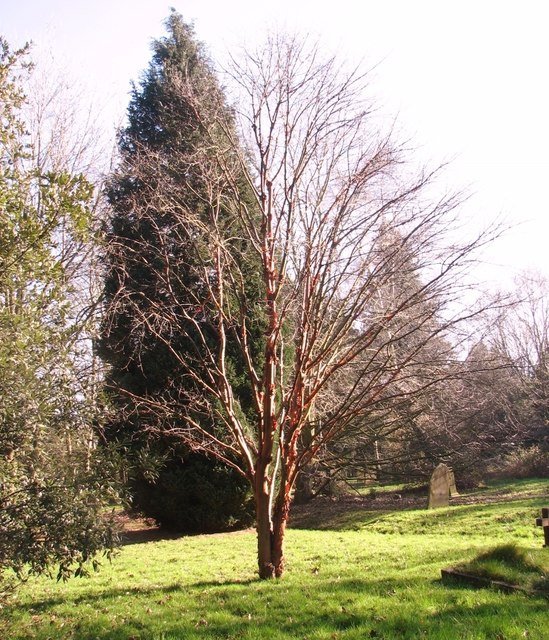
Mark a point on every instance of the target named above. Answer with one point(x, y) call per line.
point(509, 564)
point(372, 573)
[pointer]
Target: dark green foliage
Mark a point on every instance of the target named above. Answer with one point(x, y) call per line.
point(155, 288)
point(57, 519)
point(52, 487)
point(195, 495)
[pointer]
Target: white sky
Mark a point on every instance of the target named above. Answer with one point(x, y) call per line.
point(466, 79)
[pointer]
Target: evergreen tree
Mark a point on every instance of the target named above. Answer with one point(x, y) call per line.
point(161, 197)
point(51, 494)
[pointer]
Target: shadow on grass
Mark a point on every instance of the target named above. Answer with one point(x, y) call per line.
point(329, 607)
point(339, 519)
point(141, 536)
point(154, 533)
point(360, 511)
point(461, 519)
point(46, 604)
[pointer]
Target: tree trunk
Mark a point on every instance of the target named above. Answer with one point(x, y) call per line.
point(280, 520)
point(264, 529)
point(270, 533)
point(377, 466)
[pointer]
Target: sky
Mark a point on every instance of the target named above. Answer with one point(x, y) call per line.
point(466, 82)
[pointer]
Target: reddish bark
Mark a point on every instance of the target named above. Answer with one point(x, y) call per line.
point(271, 530)
point(264, 533)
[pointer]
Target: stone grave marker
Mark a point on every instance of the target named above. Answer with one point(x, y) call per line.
point(544, 522)
point(441, 487)
point(453, 489)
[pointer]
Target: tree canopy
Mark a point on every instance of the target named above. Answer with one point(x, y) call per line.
point(51, 491)
point(296, 188)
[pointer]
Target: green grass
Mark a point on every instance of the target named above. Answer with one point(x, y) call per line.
point(498, 521)
point(513, 565)
point(377, 575)
point(514, 488)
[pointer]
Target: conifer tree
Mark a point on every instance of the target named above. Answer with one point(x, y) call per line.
point(160, 194)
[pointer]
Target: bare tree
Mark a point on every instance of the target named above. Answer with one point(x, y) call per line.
point(335, 222)
point(522, 330)
point(67, 138)
point(521, 334)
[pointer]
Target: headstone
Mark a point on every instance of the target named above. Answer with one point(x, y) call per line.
point(453, 489)
point(544, 522)
point(441, 487)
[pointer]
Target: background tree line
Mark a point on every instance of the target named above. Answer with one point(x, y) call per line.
point(276, 295)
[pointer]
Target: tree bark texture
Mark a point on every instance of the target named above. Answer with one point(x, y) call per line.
point(271, 530)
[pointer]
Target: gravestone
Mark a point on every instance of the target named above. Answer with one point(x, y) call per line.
point(441, 487)
point(453, 489)
point(544, 522)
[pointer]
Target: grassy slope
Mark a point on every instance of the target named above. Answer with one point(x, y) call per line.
point(377, 575)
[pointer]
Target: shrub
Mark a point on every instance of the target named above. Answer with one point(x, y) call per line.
point(194, 494)
point(527, 462)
